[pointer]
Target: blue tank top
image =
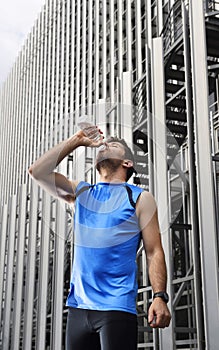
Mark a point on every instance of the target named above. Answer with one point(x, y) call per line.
point(106, 239)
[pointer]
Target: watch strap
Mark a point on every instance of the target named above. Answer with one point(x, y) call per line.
point(163, 295)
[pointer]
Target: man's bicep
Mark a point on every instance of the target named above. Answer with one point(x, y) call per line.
point(148, 221)
point(65, 188)
point(145, 209)
point(151, 235)
point(59, 186)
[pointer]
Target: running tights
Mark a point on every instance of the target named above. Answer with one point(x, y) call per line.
point(101, 330)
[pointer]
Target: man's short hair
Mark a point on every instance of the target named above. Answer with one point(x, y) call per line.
point(128, 155)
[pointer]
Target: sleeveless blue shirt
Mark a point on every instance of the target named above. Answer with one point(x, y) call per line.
point(106, 239)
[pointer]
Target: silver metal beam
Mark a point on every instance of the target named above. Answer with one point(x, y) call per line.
point(138, 39)
point(3, 242)
point(126, 107)
point(9, 274)
point(18, 290)
point(104, 52)
point(148, 113)
point(112, 59)
point(84, 63)
point(129, 35)
point(119, 37)
point(207, 222)
point(90, 74)
point(97, 53)
point(31, 267)
point(43, 274)
point(160, 164)
point(59, 276)
point(192, 181)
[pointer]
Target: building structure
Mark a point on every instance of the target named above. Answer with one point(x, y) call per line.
point(147, 71)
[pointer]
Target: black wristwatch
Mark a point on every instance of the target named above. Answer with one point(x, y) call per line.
point(163, 295)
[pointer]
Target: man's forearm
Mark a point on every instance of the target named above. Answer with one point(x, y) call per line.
point(157, 271)
point(45, 165)
point(158, 314)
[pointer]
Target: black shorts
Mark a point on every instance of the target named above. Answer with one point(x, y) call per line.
point(101, 330)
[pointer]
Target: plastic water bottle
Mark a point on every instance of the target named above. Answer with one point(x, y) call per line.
point(84, 121)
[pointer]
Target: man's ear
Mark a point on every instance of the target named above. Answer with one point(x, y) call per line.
point(127, 163)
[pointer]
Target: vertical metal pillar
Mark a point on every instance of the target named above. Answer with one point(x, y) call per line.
point(138, 39)
point(31, 267)
point(97, 44)
point(104, 51)
point(129, 35)
point(25, 158)
point(120, 37)
point(126, 107)
point(160, 16)
point(3, 239)
point(13, 129)
point(148, 111)
point(58, 279)
point(73, 58)
point(192, 180)
point(206, 201)
point(43, 277)
point(160, 164)
point(4, 144)
point(17, 159)
point(112, 66)
point(100, 120)
point(9, 274)
point(84, 63)
point(112, 57)
point(15, 342)
point(100, 114)
point(9, 128)
point(58, 72)
point(58, 276)
point(90, 75)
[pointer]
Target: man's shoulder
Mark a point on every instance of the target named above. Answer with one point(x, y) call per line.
point(147, 202)
point(83, 183)
point(135, 188)
point(81, 187)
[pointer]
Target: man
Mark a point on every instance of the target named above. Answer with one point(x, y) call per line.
point(110, 219)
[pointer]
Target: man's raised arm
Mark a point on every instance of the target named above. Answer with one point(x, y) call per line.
point(42, 170)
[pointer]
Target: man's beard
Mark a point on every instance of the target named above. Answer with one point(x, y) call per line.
point(111, 164)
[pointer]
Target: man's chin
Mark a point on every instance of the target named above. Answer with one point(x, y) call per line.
point(108, 163)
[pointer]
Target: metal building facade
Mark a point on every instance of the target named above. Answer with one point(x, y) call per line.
point(147, 70)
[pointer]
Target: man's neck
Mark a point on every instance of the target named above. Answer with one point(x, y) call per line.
point(115, 177)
